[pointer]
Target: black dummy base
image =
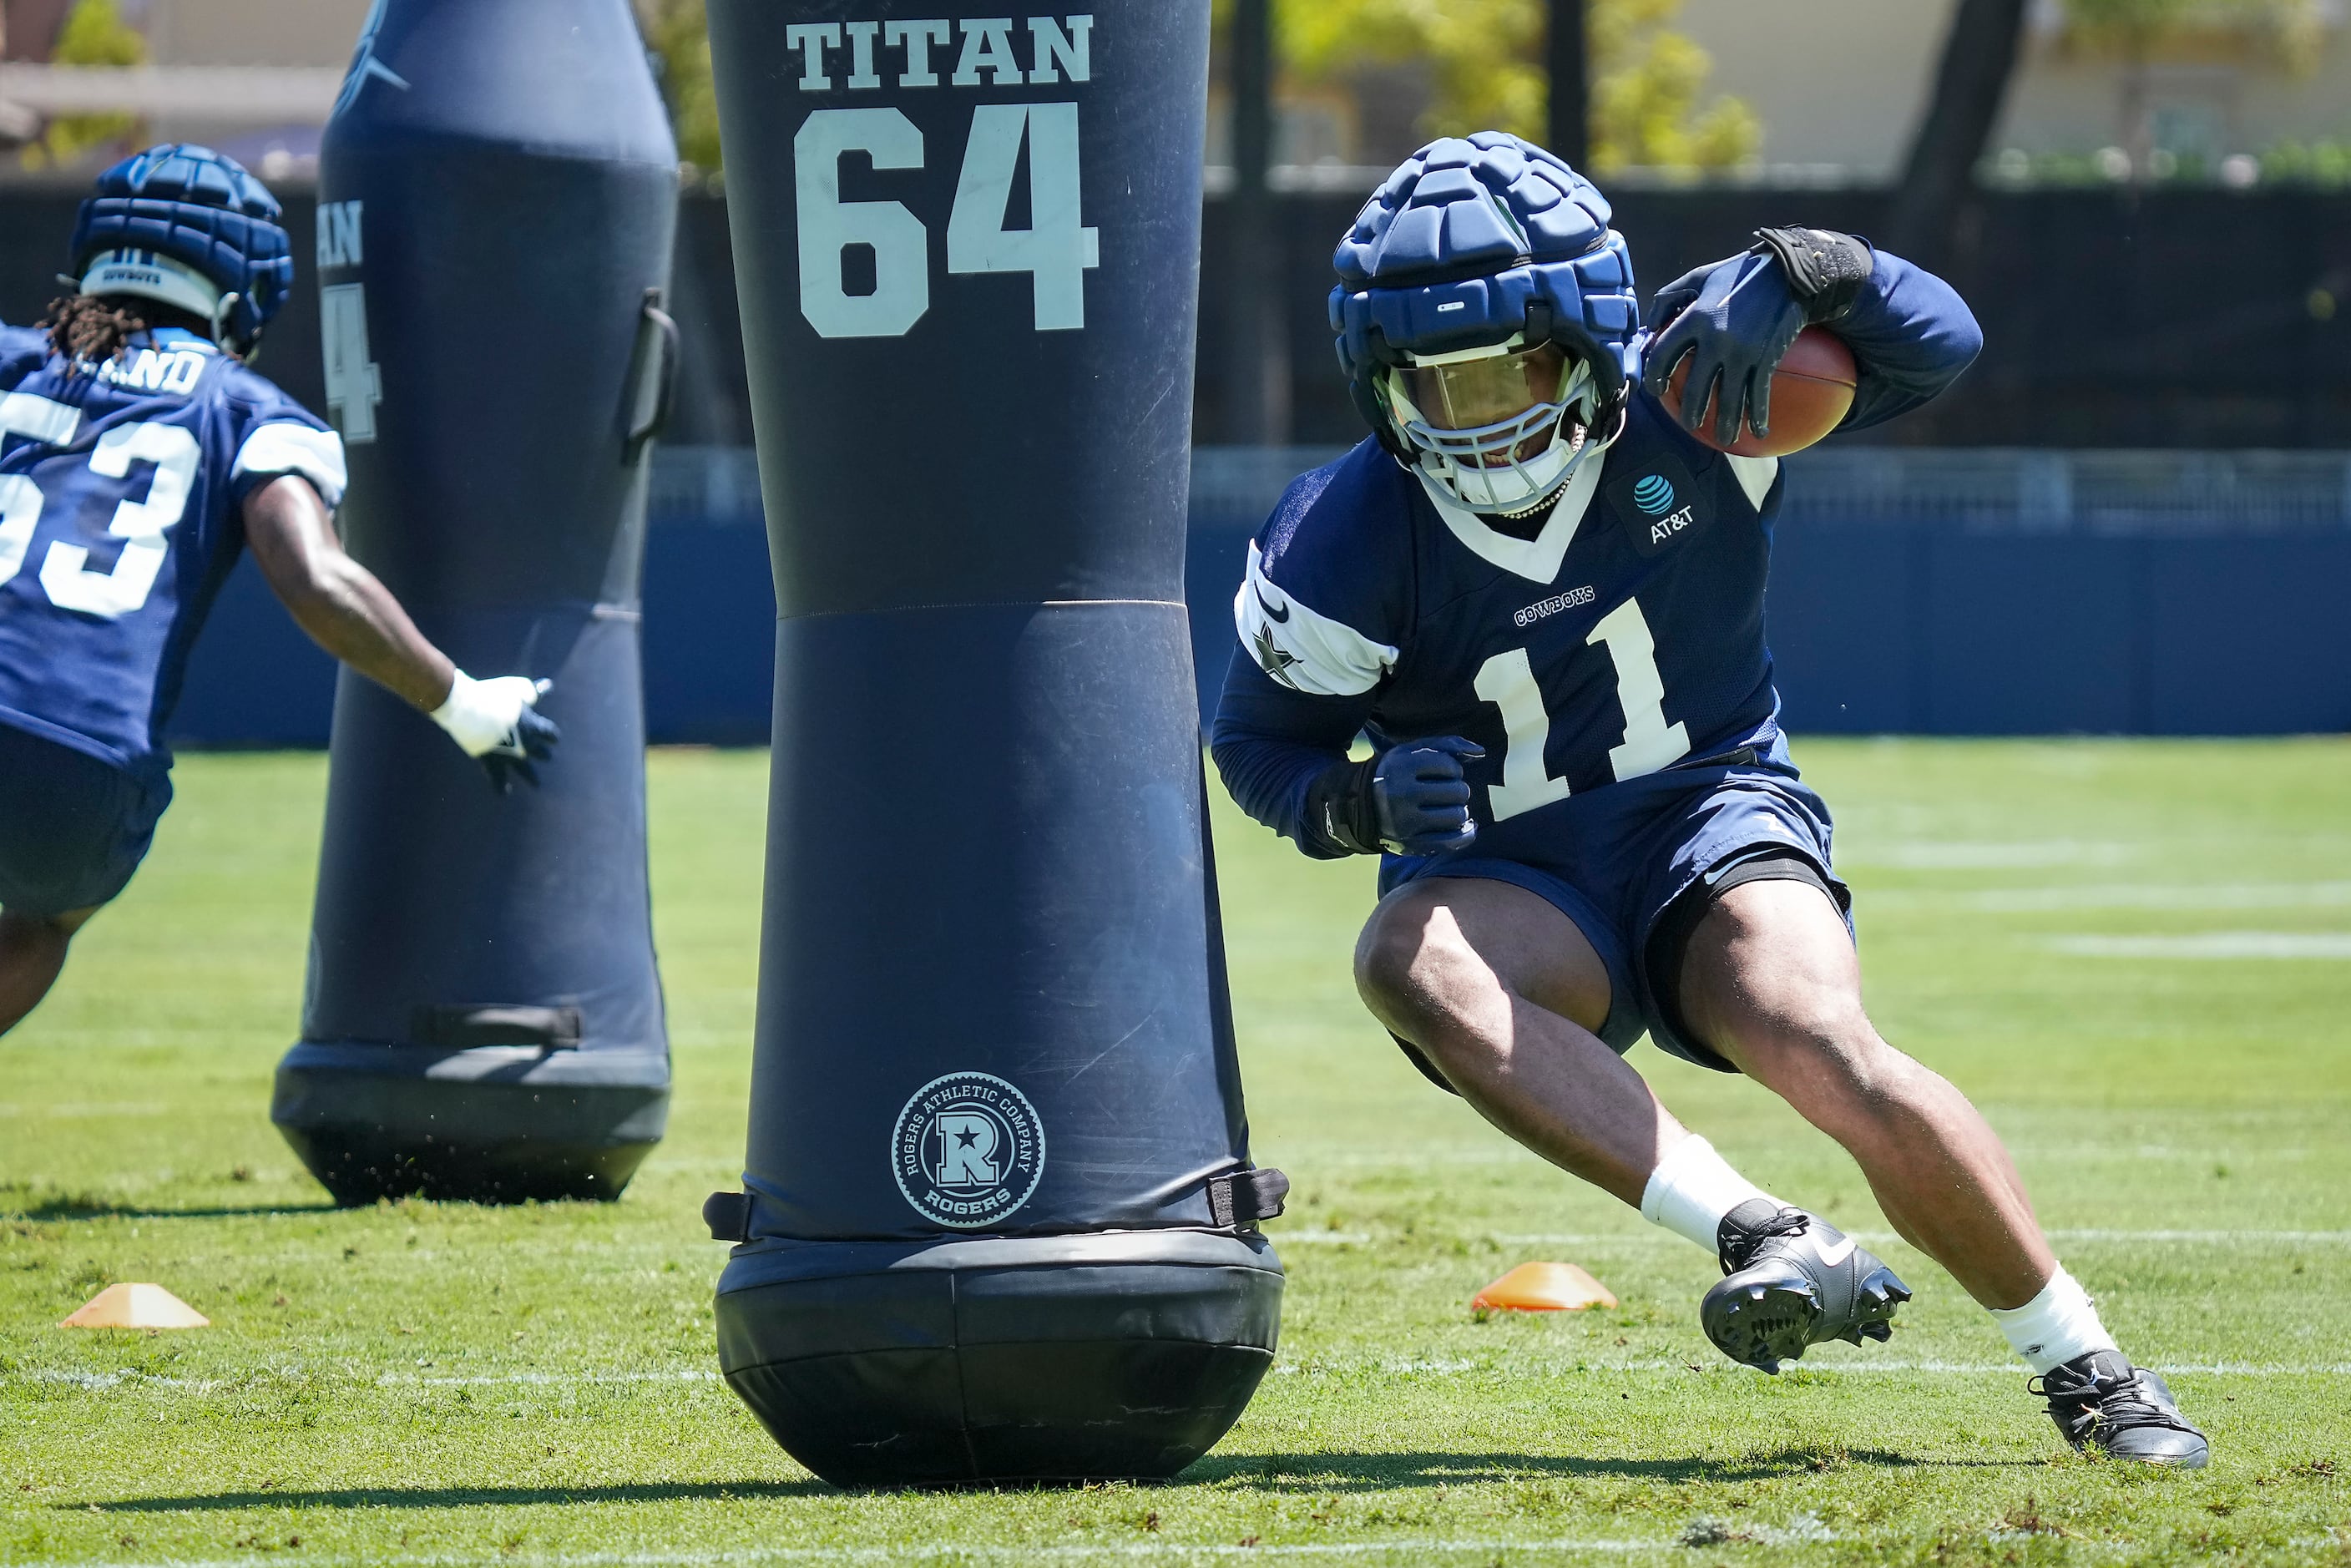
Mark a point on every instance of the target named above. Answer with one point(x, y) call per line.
point(1113, 1356)
point(492, 1125)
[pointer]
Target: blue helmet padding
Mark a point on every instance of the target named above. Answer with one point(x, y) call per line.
point(201, 207)
point(1470, 241)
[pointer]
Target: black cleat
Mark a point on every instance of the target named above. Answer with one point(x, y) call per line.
point(1791, 1281)
point(2101, 1401)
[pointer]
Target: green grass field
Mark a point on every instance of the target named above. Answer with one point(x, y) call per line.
point(2136, 957)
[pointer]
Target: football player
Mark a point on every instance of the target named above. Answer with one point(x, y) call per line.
point(1541, 601)
point(138, 456)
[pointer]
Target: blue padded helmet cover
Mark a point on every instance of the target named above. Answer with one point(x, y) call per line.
point(1460, 242)
point(200, 207)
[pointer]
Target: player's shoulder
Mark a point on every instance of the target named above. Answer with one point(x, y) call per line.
point(24, 350)
point(239, 386)
point(1357, 507)
point(1655, 443)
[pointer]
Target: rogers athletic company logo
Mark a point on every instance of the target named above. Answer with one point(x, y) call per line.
point(1570, 600)
point(967, 1150)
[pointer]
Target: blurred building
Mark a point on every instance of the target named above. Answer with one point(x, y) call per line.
point(2223, 82)
point(253, 78)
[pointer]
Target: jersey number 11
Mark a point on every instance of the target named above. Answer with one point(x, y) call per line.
point(1507, 681)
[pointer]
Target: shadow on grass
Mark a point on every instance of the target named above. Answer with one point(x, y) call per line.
point(80, 1207)
point(461, 1497)
point(1331, 1472)
point(1384, 1472)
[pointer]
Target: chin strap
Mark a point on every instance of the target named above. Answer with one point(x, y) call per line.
point(234, 348)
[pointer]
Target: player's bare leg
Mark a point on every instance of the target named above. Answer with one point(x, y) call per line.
point(1501, 992)
point(1771, 981)
point(32, 952)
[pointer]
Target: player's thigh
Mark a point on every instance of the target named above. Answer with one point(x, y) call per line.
point(1439, 943)
point(1771, 981)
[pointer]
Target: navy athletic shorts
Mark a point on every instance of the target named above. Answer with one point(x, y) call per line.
point(1615, 860)
point(72, 828)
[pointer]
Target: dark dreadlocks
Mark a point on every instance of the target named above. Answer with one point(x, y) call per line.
point(91, 329)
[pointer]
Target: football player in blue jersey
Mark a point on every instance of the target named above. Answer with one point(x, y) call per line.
point(1540, 599)
point(138, 456)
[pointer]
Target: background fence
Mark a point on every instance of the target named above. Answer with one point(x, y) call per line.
point(2189, 319)
point(1984, 591)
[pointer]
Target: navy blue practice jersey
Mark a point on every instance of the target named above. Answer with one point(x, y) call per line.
point(121, 494)
point(1624, 636)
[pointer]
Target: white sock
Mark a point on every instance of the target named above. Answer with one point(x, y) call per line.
point(2054, 1326)
point(1692, 1188)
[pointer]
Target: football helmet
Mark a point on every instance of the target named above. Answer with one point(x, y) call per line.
point(1486, 319)
point(188, 227)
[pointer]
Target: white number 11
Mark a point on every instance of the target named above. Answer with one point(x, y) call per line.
point(1507, 681)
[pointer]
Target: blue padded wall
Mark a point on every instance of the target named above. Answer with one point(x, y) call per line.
point(1911, 607)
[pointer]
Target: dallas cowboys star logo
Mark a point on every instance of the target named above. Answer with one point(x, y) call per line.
point(1272, 657)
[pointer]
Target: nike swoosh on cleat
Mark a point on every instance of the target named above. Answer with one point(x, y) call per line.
point(1271, 613)
point(1837, 1251)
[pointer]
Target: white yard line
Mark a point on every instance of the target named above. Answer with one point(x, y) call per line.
point(108, 1382)
point(1879, 1237)
point(1931, 1368)
point(2220, 946)
point(2171, 895)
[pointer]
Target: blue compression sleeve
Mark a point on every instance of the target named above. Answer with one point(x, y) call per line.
point(1911, 334)
point(1271, 743)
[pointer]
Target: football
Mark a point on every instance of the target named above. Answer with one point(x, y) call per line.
point(1810, 394)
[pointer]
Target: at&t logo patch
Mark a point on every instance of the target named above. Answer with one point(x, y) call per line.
point(967, 1150)
point(1660, 507)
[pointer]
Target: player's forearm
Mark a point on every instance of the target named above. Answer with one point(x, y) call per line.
point(1911, 335)
point(354, 617)
point(1270, 745)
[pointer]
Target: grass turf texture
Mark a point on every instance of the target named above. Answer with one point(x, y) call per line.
point(441, 1382)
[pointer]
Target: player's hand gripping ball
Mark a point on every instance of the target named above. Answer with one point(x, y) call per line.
point(1733, 355)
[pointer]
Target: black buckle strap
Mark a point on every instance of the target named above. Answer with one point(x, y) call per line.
point(467, 1026)
point(728, 1215)
point(1235, 1199)
point(1243, 1198)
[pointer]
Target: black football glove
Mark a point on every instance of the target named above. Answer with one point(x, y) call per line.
point(1734, 320)
point(1411, 799)
point(532, 740)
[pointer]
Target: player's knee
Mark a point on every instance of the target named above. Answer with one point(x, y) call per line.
point(1412, 962)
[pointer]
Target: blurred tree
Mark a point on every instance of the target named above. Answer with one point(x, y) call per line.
point(1484, 59)
point(2141, 32)
point(94, 35)
point(678, 34)
point(1647, 80)
point(1970, 84)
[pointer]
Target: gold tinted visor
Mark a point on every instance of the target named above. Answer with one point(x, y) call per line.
point(1476, 393)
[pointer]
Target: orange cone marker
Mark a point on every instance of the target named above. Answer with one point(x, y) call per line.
point(1542, 1288)
point(137, 1307)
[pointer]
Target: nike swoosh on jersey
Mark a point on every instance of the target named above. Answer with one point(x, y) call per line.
point(1271, 613)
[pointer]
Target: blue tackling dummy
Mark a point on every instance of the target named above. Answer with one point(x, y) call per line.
point(134, 447)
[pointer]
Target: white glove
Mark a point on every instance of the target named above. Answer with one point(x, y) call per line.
point(486, 717)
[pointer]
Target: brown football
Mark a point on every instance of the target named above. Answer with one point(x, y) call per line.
point(1810, 394)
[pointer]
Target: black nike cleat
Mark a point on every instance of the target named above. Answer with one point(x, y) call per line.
point(1791, 1281)
point(2100, 1401)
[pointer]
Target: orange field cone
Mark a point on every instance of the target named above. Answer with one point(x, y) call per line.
point(1542, 1288)
point(137, 1307)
